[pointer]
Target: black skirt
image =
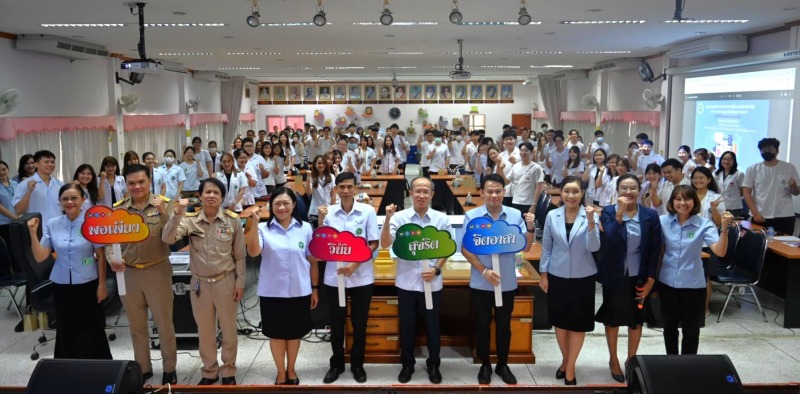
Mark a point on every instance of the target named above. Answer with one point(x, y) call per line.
point(80, 322)
point(620, 307)
point(286, 318)
point(570, 303)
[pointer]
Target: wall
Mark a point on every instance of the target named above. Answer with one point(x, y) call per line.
point(209, 93)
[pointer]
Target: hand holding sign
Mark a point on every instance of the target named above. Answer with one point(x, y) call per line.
point(412, 242)
point(331, 245)
point(485, 236)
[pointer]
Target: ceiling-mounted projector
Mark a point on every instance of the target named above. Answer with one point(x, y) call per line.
point(142, 66)
point(459, 72)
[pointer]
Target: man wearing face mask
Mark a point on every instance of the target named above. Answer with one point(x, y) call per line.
point(457, 145)
point(438, 154)
point(216, 157)
point(349, 156)
point(599, 143)
point(768, 188)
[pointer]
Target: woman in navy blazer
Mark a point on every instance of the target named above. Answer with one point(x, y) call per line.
point(568, 273)
point(627, 268)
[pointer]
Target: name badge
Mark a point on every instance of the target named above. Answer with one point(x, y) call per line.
point(153, 213)
point(88, 261)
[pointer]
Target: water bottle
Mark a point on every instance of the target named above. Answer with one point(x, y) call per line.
point(469, 198)
point(770, 233)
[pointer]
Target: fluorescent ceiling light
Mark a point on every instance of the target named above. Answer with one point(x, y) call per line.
point(297, 68)
point(487, 23)
point(622, 22)
point(394, 53)
point(240, 68)
point(396, 24)
point(450, 66)
point(292, 24)
point(323, 53)
point(321, 80)
point(185, 24)
point(465, 53)
point(82, 25)
point(396, 68)
point(186, 54)
point(534, 53)
point(254, 53)
point(552, 66)
point(708, 21)
point(345, 68)
point(600, 52)
point(500, 66)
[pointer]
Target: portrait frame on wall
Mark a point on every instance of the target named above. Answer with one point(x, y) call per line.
point(491, 92)
point(476, 92)
point(506, 91)
point(279, 93)
point(324, 92)
point(264, 94)
point(461, 92)
point(370, 93)
point(415, 92)
point(446, 92)
point(354, 92)
point(310, 93)
point(400, 92)
point(431, 92)
point(385, 93)
point(294, 93)
point(339, 92)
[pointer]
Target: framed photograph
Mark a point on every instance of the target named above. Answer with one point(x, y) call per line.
point(430, 92)
point(325, 93)
point(446, 92)
point(354, 92)
point(279, 93)
point(385, 92)
point(415, 92)
point(491, 92)
point(370, 92)
point(461, 92)
point(264, 93)
point(507, 92)
point(340, 93)
point(294, 93)
point(310, 93)
point(476, 92)
point(247, 92)
point(400, 92)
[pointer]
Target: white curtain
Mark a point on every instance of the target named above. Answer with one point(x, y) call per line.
point(243, 127)
point(232, 106)
point(552, 99)
point(209, 132)
point(156, 140)
point(619, 134)
point(586, 130)
point(82, 147)
point(653, 133)
point(12, 150)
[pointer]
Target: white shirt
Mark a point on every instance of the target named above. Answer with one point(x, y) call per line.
point(472, 149)
point(203, 157)
point(44, 198)
point(119, 189)
point(595, 146)
point(689, 167)
point(321, 195)
point(401, 145)
point(238, 181)
point(367, 156)
point(349, 158)
point(591, 191)
point(524, 179)
point(729, 188)
point(455, 152)
point(253, 165)
point(549, 148)
point(576, 171)
point(311, 150)
point(705, 205)
point(216, 161)
point(425, 148)
point(515, 154)
point(409, 273)
point(362, 222)
point(666, 192)
point(557, 160)
point(643, 161)
point(192, 174)
point(249, 196)
point(285, 269)
point(325, 145)
point(770, 188)
point(172, 177)
point(439, 158)
point(569, 145)
point(389, 161)
point(279, 168)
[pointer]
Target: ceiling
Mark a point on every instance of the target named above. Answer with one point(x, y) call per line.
point(499, 50)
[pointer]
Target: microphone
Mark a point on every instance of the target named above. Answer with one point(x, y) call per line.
point(639, 288)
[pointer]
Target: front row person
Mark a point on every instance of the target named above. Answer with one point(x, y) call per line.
point(217, 262)
point(627, 268)
point(568, 273)
point(410, 277)
point(483, 279)
point(681, 280)
point(79, 279)
point(359, 219)
point(288, 280)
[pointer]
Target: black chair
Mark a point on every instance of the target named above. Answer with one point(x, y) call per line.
point(10, 281)
point(749, 259)
point(719, 264)
point(542, 207)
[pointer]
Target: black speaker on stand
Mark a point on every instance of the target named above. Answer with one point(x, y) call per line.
point(688, 374)
point(53, 376)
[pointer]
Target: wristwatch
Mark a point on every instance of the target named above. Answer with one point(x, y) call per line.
point(438, 271)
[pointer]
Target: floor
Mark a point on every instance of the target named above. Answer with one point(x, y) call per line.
point(762, 352)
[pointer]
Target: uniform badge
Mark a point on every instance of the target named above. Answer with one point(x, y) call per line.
point(173, 177)
point(690, 235)
point(153, 213)
point(359, 231)
point(301, 245)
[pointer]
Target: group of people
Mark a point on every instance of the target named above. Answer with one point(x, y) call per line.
point(616, 216)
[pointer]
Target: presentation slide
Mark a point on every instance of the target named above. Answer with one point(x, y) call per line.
point(734, 111)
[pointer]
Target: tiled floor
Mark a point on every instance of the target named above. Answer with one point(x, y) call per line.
point(762, 352)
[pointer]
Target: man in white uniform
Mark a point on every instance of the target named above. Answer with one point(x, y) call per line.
point(768, 189)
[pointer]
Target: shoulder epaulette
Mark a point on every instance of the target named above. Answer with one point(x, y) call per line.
point(231, 213)
point(120, 202)
point(192, 214)
point(165, 198)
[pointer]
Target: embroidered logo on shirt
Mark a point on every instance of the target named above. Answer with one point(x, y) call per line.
point(690, 235)
point(301, 245)
point(358, 231)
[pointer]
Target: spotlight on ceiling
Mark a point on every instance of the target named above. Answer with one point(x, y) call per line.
point(386, 15)
point(252, 19)
point(455, 14)
point(524, 17)
point(319, 18)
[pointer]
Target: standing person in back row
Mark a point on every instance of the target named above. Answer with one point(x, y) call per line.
point(39, 193)
point(148, 275)
point(768, 188)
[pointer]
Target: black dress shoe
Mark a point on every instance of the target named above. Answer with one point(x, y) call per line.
point(359, 374)
point(405, 374)
point(332, 375)
point(169, 378)
point(618, 377)
point(504, 372)
point(147, 375)
point(561, 374)
point(293, 382)
point(485, 375)
point(208, 381)
point(229, 381)
point(572, 382)
point(434, 375)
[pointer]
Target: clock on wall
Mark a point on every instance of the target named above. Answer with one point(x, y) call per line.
point(394, 113)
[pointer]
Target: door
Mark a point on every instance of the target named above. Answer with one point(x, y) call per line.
point(521, 121)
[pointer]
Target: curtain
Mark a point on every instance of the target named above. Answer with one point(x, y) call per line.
point(210, 132)
point(11, 150)
point(585, 129)
point(231, 105)
point(243, 127)
point(156, 140)
point(82, 147)
point(619, 134)
point(552, 99)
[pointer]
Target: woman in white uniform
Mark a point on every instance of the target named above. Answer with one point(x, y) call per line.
point(729, 179)
point(235, 183)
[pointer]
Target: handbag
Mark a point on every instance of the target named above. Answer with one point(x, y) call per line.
point(30, 322)
point(43, 321)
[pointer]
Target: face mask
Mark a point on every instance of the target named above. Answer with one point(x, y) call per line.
point(437, 140)
point(212, 150)
point(458, 138)
point(352, 146)
point(601, 140)
point(768, 156)
point(169, 160)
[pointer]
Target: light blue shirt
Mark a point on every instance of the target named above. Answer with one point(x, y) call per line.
point(75, 263)
point(633, 257)
point(573, 258)
point(172, 177)
point(6, 196)
point(409, 272)
point(682, 266)
point(285, 270)
point(508, 272)
point(362, 222)
point(44, 198)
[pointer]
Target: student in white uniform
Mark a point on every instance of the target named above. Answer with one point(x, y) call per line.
point(216, 157)
point(672, 169)
point(685, 156)
point(390, 156)
point(87, 180)
point(367, 157)
point(574, 165)
point(556, 159)
point(645, 156)
point(268, 181)
point(156, 173)
point(312, 146)
point(282, 159)
point(594, 177)
point(574, 140)
point(349, 156)
point(470, 150)
point(360, 220)
point(401, 144)
point(111, 184)
point(768, 188)
point(606, 190)
point(712, 205)
point(39, 193)
point(193, 169)
point(525, 136)
point(496, 164)
point(410, 278)
point(326, 142)
point(653, 184)
point(457, 145)
point(319, 187)
point(235, 183)
point(173, 176)
point(249, 195)
point(526, 178)
point(439, 155)
point(204, 158)
point(289, 152)
point(423, 146)
point(599, 143)
point(729, 179)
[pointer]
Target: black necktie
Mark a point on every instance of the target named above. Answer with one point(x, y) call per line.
point(113, 195)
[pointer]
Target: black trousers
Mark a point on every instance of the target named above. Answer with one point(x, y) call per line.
point(412, 303)
point(425, 172)
point(482, 305)
point(507, 201)
point(781, 225)
point(80, 323)
point(360, 298)
point(684, 307)
point(522, 208)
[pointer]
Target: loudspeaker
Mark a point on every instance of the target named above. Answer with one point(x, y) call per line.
point(688, 374)
point(85, 376)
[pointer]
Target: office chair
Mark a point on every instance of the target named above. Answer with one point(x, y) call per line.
point(746, 273)
point(10, 281)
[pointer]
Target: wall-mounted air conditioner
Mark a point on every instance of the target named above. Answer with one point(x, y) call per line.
point(709, 46)
point(251, 82)
point(60, 46)
point(570, 74)
point(616, 65)
point(212, 76)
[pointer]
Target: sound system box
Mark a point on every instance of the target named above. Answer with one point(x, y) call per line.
point(686, 374)
point(70, 376)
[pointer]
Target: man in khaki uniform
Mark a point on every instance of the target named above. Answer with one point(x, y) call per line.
point(217, 261)
point(148, 275)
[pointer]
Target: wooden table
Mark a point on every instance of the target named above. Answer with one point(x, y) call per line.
point(462, 201)
point(372, 191)
point(374, 201)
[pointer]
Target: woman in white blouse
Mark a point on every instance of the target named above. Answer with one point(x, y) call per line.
point(390, 156)
point(729, 179)
point(712, 207)
point(594, 177)
point(574, 165)
point(605, 191)
point(249, 195)
point(319, 188)
point(193, 171)
point(111, 185)
point(235, 182)
point(367, 157)
point(282, 161)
